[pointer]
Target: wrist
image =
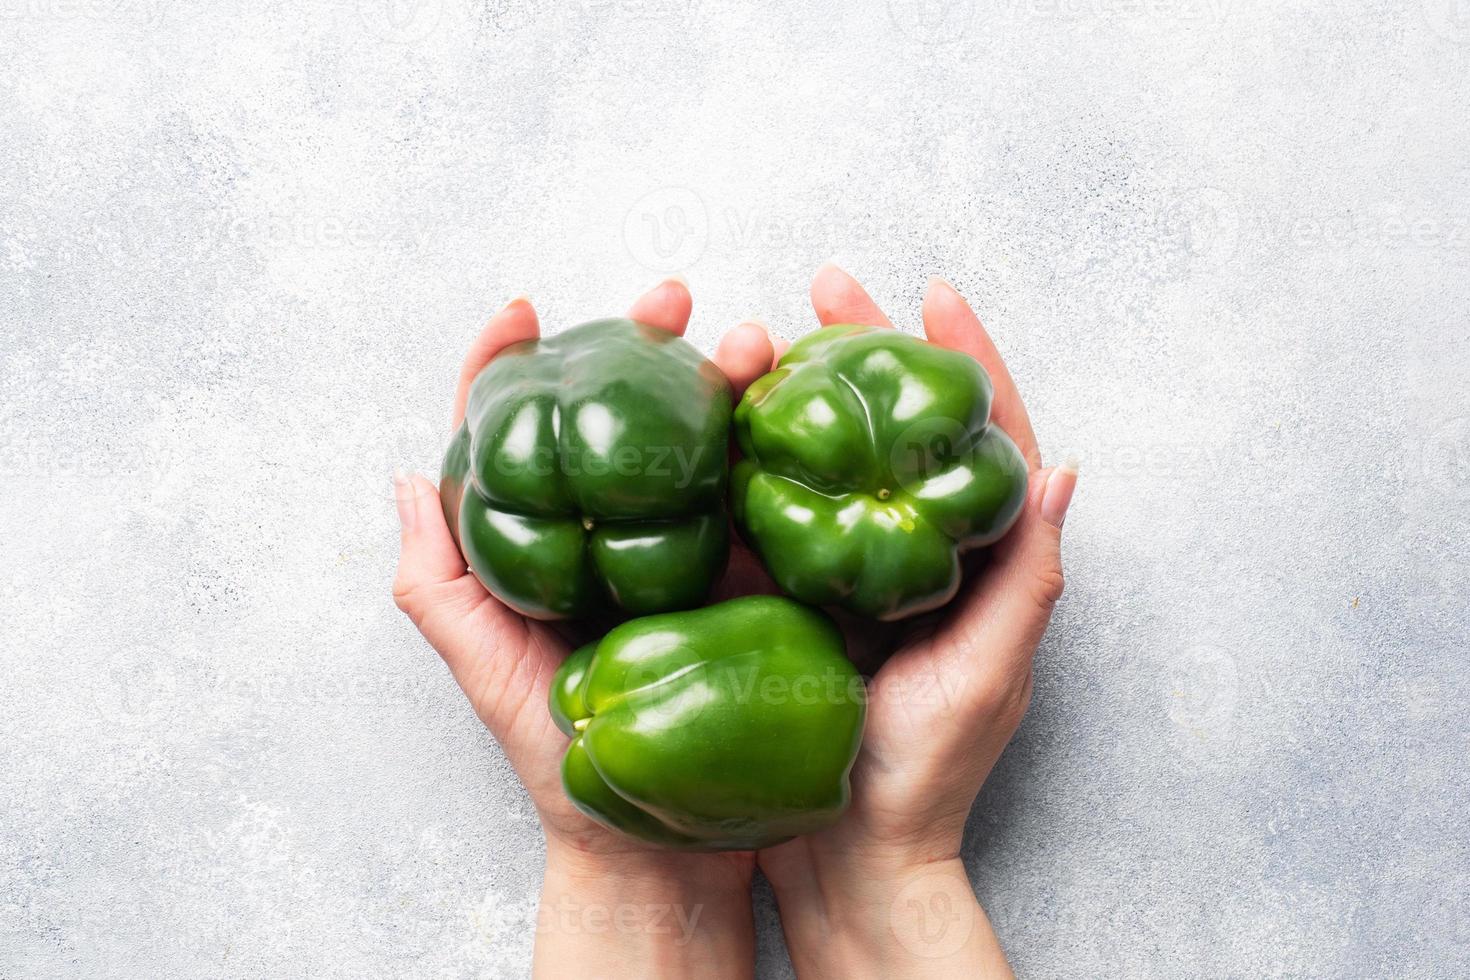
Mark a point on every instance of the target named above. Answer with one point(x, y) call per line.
point(861, 915)
point(716, 879)
point(654, 913)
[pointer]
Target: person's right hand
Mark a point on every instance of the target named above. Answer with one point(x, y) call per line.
point(610, 905)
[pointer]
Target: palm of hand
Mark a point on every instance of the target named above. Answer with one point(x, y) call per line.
point(503, 662)
point(946, 700)
point(941, 707)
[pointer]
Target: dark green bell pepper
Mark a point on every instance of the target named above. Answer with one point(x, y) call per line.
point(731, 727)
point(869, 465)
point(589, 476)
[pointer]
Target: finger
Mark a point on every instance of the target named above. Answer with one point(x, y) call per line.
point(1003, 612)
point(436, 589)
point(666, 306)
point(779, 347)
point(949, 322)
point(744, 354)
point(427, 554)
point(499, 660)
point(837, 298)
point(516, 322)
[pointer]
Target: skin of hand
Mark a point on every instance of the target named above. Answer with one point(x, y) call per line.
point(883, 892)
point(610, 906)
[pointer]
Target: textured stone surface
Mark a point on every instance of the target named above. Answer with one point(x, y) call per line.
point(243, 246)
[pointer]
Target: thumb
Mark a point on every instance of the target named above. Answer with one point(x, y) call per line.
point(1006, 610)
point(428, 556)
point(433, 585)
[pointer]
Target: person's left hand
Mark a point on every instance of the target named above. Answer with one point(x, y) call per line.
point(883, 892)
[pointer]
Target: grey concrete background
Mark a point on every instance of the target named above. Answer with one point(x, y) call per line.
point(1224, 245)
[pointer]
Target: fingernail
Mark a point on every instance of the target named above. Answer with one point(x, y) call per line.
point(522, 298)
point(754, 321)
point(940, 281)
point(676, 277)
point(408, 511)
point(1057, 496)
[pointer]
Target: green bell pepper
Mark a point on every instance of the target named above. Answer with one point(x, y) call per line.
point(589, 476)
point(870, 464)
point(731, 727)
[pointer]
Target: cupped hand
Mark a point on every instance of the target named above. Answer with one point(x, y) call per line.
point(946, 701)
point(941, 708)
point(503, 662)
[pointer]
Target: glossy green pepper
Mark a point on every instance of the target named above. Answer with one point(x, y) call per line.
point(731, 727)
point(589, 476)
point(869, 465)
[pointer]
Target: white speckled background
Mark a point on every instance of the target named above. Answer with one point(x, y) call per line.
point(1224, 244)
